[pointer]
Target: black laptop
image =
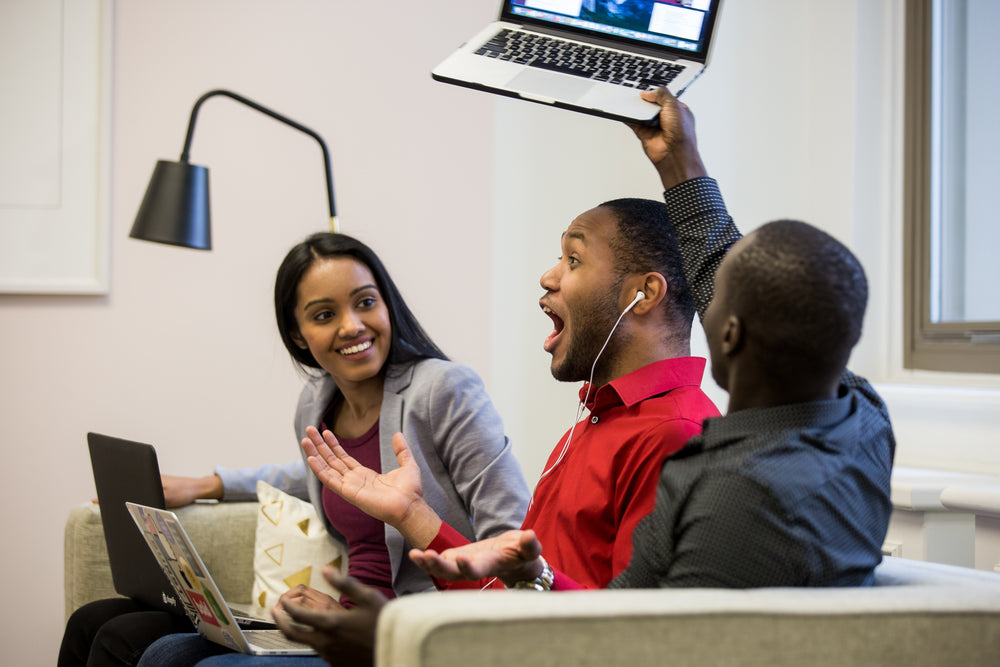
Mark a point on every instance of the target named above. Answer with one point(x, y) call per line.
point(127, 471)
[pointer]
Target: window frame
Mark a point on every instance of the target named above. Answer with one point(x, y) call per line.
point(964, 347)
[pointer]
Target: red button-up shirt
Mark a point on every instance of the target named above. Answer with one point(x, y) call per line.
point(585, 508)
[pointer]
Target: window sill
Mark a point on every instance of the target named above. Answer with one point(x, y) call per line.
point(926, 490)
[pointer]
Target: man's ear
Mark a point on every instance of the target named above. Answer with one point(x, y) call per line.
point(654, 286)
point(732, 336)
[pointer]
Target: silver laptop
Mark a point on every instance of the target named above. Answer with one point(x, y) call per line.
point(196, 590)
point(591, 56)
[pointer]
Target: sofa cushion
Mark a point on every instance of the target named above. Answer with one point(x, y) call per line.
point(919, 614)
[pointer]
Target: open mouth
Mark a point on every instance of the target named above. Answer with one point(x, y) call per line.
point(557, 322)
point(355, 349)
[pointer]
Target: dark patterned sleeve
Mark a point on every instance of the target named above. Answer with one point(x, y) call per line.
point(705, 232)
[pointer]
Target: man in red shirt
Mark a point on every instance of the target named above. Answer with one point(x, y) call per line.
point(622, 321)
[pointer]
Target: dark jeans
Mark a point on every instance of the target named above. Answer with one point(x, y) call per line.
point(114, 632)
point(193, 649)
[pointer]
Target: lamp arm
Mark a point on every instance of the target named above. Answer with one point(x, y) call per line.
point(276, 116)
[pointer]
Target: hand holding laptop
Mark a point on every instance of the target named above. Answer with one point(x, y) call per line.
point(671, 145)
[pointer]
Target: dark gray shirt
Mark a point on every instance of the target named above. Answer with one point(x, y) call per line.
point(796, 495)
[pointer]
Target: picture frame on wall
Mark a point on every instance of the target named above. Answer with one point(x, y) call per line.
point(55, 176)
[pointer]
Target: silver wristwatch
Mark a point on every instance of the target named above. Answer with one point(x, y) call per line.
point(542, 582)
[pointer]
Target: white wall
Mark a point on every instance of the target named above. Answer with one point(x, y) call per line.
point(464, 196)
point(183, 351)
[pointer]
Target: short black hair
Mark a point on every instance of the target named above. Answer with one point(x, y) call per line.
point(408, 340)
point(645, 241)
point(801, 294)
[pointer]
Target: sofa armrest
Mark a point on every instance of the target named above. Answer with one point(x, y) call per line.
point(86, 574)
point(907, 624)
point(222, 532)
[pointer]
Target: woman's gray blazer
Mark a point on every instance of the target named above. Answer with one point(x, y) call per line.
point(470, 476)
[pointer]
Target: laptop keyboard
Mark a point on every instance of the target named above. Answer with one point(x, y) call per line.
point(271, 639)
point(584, 60)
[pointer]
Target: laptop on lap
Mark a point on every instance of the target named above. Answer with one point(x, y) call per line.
point(193, 585)
point(591, 56)
point(128, 471)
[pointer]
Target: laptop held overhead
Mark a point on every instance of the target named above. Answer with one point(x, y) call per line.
point(591, 56)
point(193, 585)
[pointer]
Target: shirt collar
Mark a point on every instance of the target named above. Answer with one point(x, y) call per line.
point(754, 421)
point(652, 379)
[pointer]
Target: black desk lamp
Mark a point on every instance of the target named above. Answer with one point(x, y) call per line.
point(174, 209)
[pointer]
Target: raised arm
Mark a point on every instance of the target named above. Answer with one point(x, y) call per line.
point(705, 230)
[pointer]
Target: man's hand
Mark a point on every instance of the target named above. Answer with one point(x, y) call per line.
point(181, 491)
point(340, 636)
point(395, 497)
point(672, 147)
point(309, 598)
point(511, 557)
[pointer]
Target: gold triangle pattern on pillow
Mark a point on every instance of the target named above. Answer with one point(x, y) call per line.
point(276, 553)
point(301, 577)
point(272, 511)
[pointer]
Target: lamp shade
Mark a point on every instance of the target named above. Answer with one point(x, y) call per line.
point(174, 209)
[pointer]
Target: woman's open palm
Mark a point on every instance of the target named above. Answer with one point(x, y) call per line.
point(386, 496)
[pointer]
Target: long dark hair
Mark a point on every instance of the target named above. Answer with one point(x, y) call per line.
point(408, 341)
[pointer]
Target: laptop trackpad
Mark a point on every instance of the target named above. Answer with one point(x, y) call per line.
point(542, 84)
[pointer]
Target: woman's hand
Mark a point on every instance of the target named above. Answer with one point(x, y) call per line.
point(308, 598)
point(181, 491)
point(395, 497)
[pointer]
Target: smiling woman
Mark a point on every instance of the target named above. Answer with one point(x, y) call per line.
point(372, 373)
point(343, 322)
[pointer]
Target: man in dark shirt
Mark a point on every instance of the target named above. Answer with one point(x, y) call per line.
point(791, 487)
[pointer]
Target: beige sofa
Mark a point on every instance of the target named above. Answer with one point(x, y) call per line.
point(222, 532)
point(917, 614)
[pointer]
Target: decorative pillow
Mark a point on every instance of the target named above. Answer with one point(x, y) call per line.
point(291, 548)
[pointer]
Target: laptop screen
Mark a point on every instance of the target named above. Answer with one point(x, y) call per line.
point(682, 26)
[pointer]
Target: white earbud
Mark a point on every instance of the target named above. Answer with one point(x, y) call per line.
point(639, 296)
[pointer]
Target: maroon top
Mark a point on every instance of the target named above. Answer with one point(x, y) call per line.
point(368, 557)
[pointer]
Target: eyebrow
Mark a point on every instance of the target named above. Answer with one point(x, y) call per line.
point(354, 291)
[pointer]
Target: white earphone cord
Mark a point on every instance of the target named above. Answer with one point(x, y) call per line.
point(586, 397)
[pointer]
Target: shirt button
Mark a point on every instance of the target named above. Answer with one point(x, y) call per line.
point(594, 420)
